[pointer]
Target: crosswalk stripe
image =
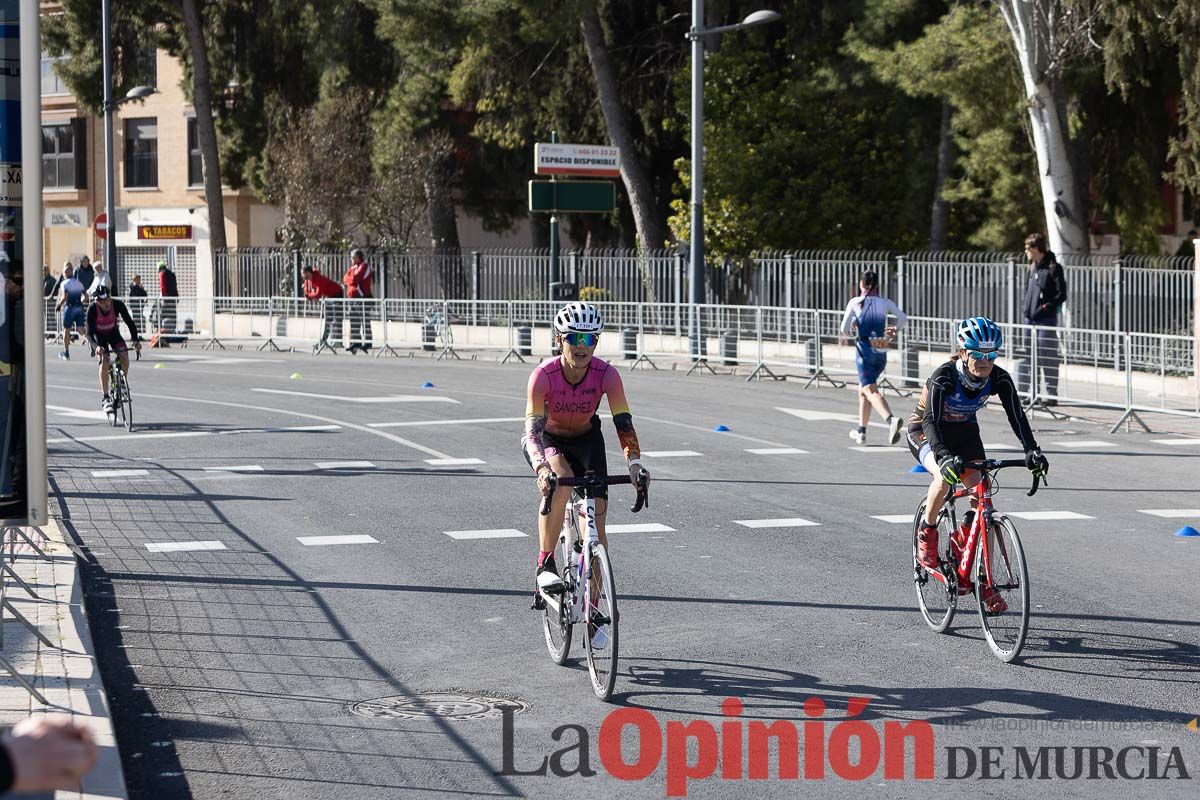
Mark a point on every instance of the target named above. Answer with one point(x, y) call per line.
point(1171, 513)
point(880, 449)
point(1047, 515)
point(1087, 443)
point(500, 533)
point(354, 538)
point(1000, 446)
point(246, 468)
point(639, 527)
point(893, 518)
point(776, 451)
point(481, 421)
point(453, 462)
point(119, 473)
point(790, 522)
point(670, 453)
point(344, 465)
point(179, 547)
point(1178, 442)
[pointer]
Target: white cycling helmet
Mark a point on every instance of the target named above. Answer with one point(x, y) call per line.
point(579, 317)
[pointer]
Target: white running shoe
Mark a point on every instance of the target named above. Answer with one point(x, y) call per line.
point(894, 430)
point(548, 582)
point(106, 404)
point(857, 436)
point(599, 637)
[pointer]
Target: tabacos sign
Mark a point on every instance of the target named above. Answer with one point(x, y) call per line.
point(160, 232)
point(735, 749)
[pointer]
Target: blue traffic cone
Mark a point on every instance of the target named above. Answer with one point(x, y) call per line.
point(426, 385)
point(1187, 530)
point(721, 429)
point(917, 469)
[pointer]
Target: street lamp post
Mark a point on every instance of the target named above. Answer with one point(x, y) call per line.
point(696, 283)
point(136, 93)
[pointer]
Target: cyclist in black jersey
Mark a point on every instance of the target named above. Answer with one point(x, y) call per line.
point(943, 431)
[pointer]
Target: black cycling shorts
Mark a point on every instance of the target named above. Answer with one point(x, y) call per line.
point(583, 453)
point(113, 341)
point(961, 439)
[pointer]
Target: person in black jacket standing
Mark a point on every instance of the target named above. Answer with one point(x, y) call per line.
point(1044, 296)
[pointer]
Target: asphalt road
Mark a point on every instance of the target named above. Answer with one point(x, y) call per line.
point(234, 671)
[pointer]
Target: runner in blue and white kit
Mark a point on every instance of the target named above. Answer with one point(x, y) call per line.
point(868, 314)
point(70, 296)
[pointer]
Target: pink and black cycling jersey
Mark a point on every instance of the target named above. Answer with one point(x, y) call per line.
point(562, 409)
point(102, 328)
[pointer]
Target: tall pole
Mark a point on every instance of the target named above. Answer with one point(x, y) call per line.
point(110, 210)
point(696, 283)
point(555, 273)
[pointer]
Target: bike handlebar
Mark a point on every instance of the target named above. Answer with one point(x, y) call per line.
point(595, 482)
point(992, 465)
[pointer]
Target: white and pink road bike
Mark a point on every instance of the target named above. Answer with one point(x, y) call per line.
point(588, 592)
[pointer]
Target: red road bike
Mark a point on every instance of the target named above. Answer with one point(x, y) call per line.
point(991, 557)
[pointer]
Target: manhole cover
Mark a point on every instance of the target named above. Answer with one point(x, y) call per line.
point(443, 705)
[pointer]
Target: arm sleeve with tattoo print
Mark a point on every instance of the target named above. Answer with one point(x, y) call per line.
point(535, 418)
point(622, 419)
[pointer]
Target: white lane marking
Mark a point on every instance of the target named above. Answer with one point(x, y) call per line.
point(391, 398)
point(501, 533)
point(179, 547)
point(639, 527)
point(790, 522)
point(189, 434)
point(669, 453)
point(1171, 513)
point(1039, 515)
point(391, 437)
point(706, 429)
point(354, 538)
point(776, 451)
point(893, 518)
point(825, 416)
point(455, 462)
point(880, 449)
point(119, 473)
point(203, 359)
point(1088, 443)
point(1178, 442)
point(1000, 446)
point(67, 411)
point(344, 465)
point(445, 422)
point(245, 468)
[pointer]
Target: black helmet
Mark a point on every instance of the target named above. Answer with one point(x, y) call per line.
point(102, 293)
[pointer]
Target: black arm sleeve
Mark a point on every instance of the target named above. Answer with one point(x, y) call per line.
point(7, 774)
point(124, 312)
point(940, 384)
point(90, 327)
point(1003, 384)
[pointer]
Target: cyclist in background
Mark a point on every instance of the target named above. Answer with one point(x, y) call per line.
point(103, 333)
point(943, 431)
point(562, 430)
point(866, 316)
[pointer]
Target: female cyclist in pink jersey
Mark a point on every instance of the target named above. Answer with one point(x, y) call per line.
point(562, 430)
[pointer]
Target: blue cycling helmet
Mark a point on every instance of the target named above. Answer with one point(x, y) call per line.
point(979, 333)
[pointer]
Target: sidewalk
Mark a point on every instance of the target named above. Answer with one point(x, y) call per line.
point(67, 677)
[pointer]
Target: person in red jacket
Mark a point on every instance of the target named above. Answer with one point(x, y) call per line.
point(318, 288)
point(168, 289)
point(358, 280)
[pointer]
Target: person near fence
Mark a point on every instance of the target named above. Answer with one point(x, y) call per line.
point(318, 289)
point(1187, 248)
point(104, 334)
point(168, 289)
point(70, 300)
point(85, 273)
point(48, 281)
point(1045, 294)
point(100, 278)
point(44, 753)
point(866, 317)
point(137, 295)
point(358, 280)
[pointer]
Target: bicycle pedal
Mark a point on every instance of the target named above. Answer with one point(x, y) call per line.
point(539, 604)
